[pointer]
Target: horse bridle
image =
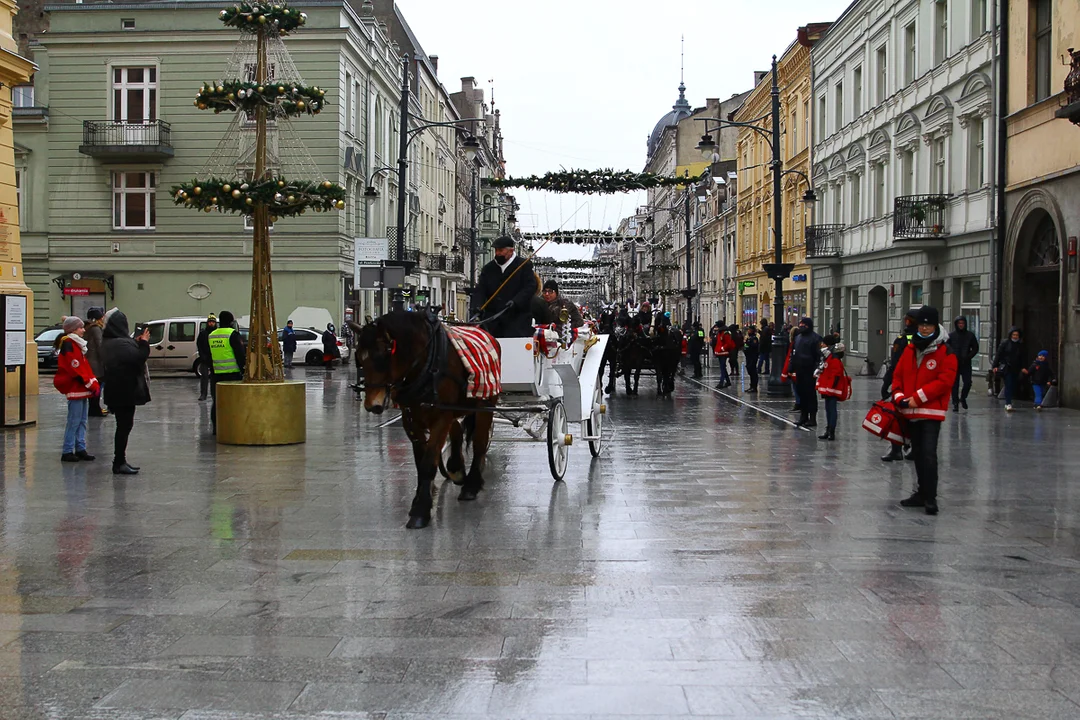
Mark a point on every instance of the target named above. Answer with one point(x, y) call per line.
point(435, 359)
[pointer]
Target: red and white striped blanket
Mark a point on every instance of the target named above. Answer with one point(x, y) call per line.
point(482, 357)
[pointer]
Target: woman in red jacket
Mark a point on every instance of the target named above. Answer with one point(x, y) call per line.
point(76, 380)
point(724, 345)
point(830, 382)
point(922, 386)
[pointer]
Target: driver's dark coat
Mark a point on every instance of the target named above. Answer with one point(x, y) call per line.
point(519, 289)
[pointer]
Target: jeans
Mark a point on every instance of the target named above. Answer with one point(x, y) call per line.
point(795, 393)
point(125, 420)
point(288, 359)
point(764, 362)
point(1040, 391)
point(75, 430)
point(1011, 379)
point(962, 373)
point(831, 407)
point(924, 442)
point(724, 377)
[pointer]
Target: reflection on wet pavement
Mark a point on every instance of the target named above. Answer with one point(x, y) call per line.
point(713, 562)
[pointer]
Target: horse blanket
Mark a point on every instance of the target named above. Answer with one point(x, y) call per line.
point(482, 357)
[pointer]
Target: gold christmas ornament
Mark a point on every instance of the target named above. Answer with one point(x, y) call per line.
point(226, 187)
point(236, 193)
point(197, 190)
point(340, 204)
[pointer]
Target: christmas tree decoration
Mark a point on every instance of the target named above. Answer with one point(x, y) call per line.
point(232, 95)
point(255, 17)
point(590, 182)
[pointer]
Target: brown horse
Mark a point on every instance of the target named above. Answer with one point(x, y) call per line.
point(407, 360)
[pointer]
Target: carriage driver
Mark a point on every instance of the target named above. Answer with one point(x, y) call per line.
point(556, 304)
point(506, 283)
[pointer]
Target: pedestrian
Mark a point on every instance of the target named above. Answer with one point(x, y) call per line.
point(329, 345)
point(95, 322)
point(739, 340)
point(1042, 376)
point(786, 373)
point(288, 343)
point(831, 385)
point(1007, 363)
point(965, 346)
point(722, 349)
point(206, 360)
point(805, 353)
point(714, 334)
point(899, 344)
point(751, 348)
point(228, 354)
point(696, 345)
point(76, 380)
point(922, 384)
point(127, 382)
point(764, 363)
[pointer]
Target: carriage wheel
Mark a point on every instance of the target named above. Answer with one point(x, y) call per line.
point(595, 424)
point(557, 436)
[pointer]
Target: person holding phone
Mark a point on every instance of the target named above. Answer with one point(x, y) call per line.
point(127, 383)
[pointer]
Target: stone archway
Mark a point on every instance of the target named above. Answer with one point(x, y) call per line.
point(877, 327)
point(1032, 276)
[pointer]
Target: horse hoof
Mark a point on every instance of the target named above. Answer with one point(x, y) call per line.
point(467, 495)
point(417, 523)
point(458, 478)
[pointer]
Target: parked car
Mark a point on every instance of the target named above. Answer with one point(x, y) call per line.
point(46, 353)
point(309, 348)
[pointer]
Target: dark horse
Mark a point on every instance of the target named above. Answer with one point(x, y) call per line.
point(406, 359)
point(667, 353)
point(606, 326)
point(632, 348)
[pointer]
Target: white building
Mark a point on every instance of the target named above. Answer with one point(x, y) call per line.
point(902, 164)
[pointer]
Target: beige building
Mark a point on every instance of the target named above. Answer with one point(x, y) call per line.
point(755, 244)
point(1040, 285)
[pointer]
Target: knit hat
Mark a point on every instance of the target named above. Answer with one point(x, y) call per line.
point(551, 285)
point(839, 348)
point(503, 242)
point(926, 315)
point(1043, 352)
point(95, 313)
point(211, 318)
point(72, 323)
point(226, 319)
point(830, 340)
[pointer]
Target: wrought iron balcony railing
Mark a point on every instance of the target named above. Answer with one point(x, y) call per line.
point(436, 262)
point(457, 264)
point(920, 216)
point(150, 140)
point(823, 240)
point(411, 255)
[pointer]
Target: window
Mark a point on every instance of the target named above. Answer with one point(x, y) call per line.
point(19, 197)
point(941, 31)
point(879, 190)
point(806, 118)
point(914, 295)
point(839, 105)
point(357, 102)
point(794, 134)
point(882, 74)
point(349, 103)
point(978, 18)
point(853, 319)
point(1042, 49)
point(133, 201)
point(127, 24)
point(970, 306)
point(937, 167)
point(907, 172)
point(976, 155)
point(157, 333)
point(822, 130)
point(838, 205)
point(22, 96)
point(134, 94)
point(909, 54)
point(856, 92)
point(182, 331)
point(856, 198)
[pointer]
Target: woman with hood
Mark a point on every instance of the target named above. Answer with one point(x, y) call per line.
point(805, 353)
point(126, 383)
point(922, 386)
point(1008, 363)
point(965, 347)
point(76, 380)
point(330, 346)
point(95, 322)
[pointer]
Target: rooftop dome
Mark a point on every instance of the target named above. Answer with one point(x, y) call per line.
point(681, 109)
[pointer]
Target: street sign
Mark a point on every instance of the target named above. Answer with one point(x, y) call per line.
point(14, 330)
point(76, 291)
point(375, 277)
point(370, 251)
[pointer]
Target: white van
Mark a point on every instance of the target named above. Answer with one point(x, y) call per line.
point(172, 343)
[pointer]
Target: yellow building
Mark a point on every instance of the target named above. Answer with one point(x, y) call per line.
point(14, 70)
point(1039, 279)
point(754, 240)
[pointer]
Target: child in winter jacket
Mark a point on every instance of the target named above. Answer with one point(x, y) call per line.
point(723, 348)
point(1042, 376)
point(76, 380)
point(831, 385)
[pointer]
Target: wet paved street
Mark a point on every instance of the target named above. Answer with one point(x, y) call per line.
point(714, 562)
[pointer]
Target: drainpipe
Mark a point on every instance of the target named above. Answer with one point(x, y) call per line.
point(997, 241)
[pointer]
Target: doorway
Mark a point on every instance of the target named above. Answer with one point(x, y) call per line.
point(877, 327)
point(1037, 286)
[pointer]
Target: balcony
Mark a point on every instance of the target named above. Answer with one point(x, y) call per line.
point(457, 264)
point(823, 241)
point(437, 262)
point(411, 256)
point(138, 142)
point(1071, 111)
point(920, 217)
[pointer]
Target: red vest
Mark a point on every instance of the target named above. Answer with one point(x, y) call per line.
point(724, 345)
point(828, 382)
point(930, 382)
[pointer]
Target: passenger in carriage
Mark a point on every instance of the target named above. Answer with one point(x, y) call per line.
point(556, 304)
point(507, 286)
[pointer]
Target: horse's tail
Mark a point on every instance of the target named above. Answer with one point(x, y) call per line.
point(469, 425)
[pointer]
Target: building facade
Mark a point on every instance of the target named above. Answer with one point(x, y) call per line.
point(755, 236)
point(1040, 289)
point(903, 167)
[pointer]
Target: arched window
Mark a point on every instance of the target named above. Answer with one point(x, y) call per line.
point(1045, 250)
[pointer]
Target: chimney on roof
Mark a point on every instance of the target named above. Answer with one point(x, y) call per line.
point(434, 62)
point(759, 75)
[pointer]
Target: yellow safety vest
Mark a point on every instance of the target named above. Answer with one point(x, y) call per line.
point(221, 352)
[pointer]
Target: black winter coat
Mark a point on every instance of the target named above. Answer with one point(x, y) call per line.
point(806, 352)
point(124, 359)
point(518, 291)
point(1040, 373)
point(751, 348)
point(1008, 357)
point(766, 341)
point(964, 345)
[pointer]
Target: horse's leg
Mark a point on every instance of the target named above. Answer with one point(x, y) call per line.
point(611, 376)
point(426, 467)
point(481, 440)
point(455, 466)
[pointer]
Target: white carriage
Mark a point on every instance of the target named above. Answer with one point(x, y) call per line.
point(549, 384)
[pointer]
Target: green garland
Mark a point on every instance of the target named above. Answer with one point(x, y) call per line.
point(664, 266)
point(572, 264)
point(290, 99)
point(282, 197)
point(592, 181)
point(252, 17)
point(578, 237)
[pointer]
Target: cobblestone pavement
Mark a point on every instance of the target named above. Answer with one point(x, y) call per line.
point(714, 562)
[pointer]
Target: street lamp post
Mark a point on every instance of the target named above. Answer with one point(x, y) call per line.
point(688, 292)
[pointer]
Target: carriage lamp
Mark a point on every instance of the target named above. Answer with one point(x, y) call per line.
point(809, 197)
point(470, 147)
point(707, 146)
point(370, 194)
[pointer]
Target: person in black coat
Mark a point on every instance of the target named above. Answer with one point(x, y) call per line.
point(1008, 362)
point(965, 346)
point(695, 345)
point(329, 346)
point(206, 362)
point(751, 348)
point(764, 362)
point(507, 283)
point(805, 354)
point(126, 381)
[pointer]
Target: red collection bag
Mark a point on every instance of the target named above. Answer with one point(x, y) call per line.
point(885, 421)
point(845, 386)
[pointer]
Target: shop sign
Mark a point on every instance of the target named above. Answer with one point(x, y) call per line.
point(76, 291)
point(798, 278)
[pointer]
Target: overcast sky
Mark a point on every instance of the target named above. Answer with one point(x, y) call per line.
point(582, 83)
